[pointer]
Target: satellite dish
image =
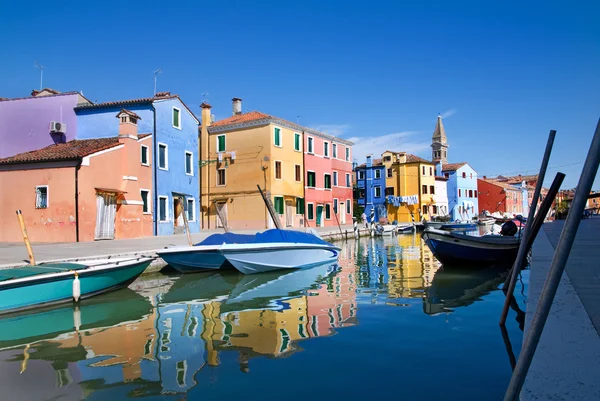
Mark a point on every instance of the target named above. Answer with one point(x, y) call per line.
point(266, 158)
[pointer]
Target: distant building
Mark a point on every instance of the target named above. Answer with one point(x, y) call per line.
point(462, 190)
point(497, 196)
point(439, 143)
point(370, 188)
point(440, 198)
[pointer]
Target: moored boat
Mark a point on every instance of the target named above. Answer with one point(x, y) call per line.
point(27, 287)
point(453, 248)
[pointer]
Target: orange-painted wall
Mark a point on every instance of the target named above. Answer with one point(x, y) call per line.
point(18, 191)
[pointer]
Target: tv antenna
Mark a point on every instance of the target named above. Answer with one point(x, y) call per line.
point(204, 96)
point(298, 120)
point(41, 67)
point(155, 74)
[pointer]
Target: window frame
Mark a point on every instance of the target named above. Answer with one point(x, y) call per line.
point(335, 179)
point(300, 200)
point(187, 200)
point(359, 174)
point(347, 154)
point(432, 189)
point(348, 207)
point(348, 180)
point(166, 198)
point(47, 196)
point(224, 143)
point(325, 175)
point(375, 188)
point(377, 174)
point(224, 177)
point(166, 147)
point(149, 209)
point(178, 126)
point(310, 209)
point(299, 137)
point(326, 149)
point(308, 181)
point(389, 172)
point(147, 149)
point(336, 206)
point(275, 163)
point(310, 145)
point(191, 173)
point(297, 173)
point(275, 197)
point(327, 208)
point(334, 152)
point(424, 189)
point(275, 131)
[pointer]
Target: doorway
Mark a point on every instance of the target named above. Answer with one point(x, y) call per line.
point(178, 223)
point(221, 208)
point(106, 209)
point(342, 213)
point(319, 215)
point(289, 214)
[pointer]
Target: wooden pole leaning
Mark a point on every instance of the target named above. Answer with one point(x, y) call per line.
point(26, 238)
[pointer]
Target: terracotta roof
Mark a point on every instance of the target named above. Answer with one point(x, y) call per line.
point(501, 184)
point(242, 118)
point(452, 166)
point(72, 150)
point(416, 159)
point(37, 92)
point(7, 99)
point(519, 178)
point(441, 178)
point(130, 113)
point(376, 163)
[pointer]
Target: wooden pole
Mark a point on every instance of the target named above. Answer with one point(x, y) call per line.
point(26, 238)
point(185, 222)
point(338, 221)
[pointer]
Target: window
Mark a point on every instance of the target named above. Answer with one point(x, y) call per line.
point(327, 211)
point(144, 155)
point(459, 193)
point(335, 178)
point(297, 173)
point(424, 189)
point(311, 179)
point(327, 183)
point(277, 137)
point(221, 177)
point(378, 192)
point(297, 142)
point(387, 159)
point(326, 149)
point(220, 143)
point(347, 154)
point(435, 209)
point(377, 173)
point(311, 144)
point(348, 180)
point(390, 172)
point(361, 193)
point(311, 212)
point(424, 209)
point(189, 163)
point(190, 209)
point(163, 205)
point(432, 190)
point(464, 175)
point(279, 204)
point(278, 170)
point(423, 169)
point(41, 197)
point(389, 191)
point(334, 150)
point(471, 176)
point(447, 175)
point(163, 156)
point(299, 206)
point(335, 206)
point(145, 200)
point(470, 193)
point(348, 206)
point(361, 175)
point(176, 118)
point(475, 193)
point(430, 170)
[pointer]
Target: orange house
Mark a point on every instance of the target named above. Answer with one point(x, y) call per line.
point(81, 190)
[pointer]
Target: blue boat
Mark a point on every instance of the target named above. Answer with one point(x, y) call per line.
point(28, 287)
point(459, 249)
point(203, 255)
point(458, 226)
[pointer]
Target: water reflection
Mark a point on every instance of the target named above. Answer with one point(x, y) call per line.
point(156, 338)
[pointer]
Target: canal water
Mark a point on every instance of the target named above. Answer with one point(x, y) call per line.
point(387, 321)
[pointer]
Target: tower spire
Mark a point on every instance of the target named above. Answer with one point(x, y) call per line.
point(439, 142)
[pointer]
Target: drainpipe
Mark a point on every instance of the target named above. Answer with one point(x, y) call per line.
point(154, 172)
point(77, 167)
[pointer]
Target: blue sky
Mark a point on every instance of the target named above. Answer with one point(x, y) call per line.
point(376, 72)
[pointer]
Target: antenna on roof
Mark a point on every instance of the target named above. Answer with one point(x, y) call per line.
point(41, 67)
point(298, 120)
point(155, 74)
point(204, 96)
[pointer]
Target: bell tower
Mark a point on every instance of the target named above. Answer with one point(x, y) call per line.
point(439, 143)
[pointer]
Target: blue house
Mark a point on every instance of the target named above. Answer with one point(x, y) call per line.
point(462, 190)
point(174, 161)
point(370, 183)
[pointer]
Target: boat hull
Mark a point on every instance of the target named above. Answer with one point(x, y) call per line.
point(262, 258)
point(452, 250)
point(191, 260)
point(51, 289)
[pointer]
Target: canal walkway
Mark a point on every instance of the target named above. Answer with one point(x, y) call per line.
point(15, 254)
point(565, 366)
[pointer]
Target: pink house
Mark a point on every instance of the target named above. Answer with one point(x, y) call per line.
point(328, 184)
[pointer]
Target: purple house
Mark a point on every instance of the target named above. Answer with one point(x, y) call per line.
point(34, 122)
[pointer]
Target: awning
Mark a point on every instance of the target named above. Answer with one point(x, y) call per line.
point(178, 194)
point(110, 190)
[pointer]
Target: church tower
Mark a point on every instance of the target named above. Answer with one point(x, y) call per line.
point(439, 143)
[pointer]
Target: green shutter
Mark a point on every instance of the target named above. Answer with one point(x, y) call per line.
point(277, 137)
point(311, 179)
point(328, 181)
point(279, 204)
point(221, 146)
point(311, 213)
point(327, 211)
point(175, 118)
point(296, 141)
point(299, 206)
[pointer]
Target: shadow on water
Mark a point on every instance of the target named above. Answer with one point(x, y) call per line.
point(167, 334)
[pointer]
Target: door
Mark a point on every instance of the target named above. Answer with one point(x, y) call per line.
point(319, 215)
point(106, 209)
point(221, 214)
point(289, 214)
point(178, 223)
point(342, 212)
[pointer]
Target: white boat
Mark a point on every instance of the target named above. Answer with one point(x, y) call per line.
point(280, 249)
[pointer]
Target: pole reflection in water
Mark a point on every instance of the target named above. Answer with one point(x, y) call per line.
point(202, 335)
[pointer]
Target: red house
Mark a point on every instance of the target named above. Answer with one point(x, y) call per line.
point(497, 196)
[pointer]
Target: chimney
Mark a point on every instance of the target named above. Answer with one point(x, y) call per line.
point(206, 117)
point(128, 127)
point(485, 177)
point(236, 106)
point(402, 157)
point(439, 168)
point(369, 160)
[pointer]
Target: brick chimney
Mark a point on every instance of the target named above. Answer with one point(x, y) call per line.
point(236, 106)
point(128, 127)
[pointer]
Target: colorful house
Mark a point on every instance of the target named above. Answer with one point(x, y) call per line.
point(174, 165)
point(285, 159)
point(45, 118)
point(440, 197)
point(412, 194)
point(462, 190)
point(67, 194)
point(371, 185)
point(497, 196)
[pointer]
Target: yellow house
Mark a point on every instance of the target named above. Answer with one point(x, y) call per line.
point(243, 151)
point(410, 176)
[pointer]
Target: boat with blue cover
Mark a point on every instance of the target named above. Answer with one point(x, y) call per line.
point(280, 249)
point(29, 287)
point(204, 255)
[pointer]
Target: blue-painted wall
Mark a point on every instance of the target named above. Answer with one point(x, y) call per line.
point(457, 203)
point(370, 201)
point(102, 122)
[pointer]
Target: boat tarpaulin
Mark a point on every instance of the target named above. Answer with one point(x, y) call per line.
point(290, 236)
point(228, 238)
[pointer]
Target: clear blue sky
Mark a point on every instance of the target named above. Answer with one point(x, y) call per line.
point(378, 72)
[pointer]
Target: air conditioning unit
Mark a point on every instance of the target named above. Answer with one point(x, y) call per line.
point(56, 126)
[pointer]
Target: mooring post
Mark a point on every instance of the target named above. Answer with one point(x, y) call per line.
point(559, 261)
point(26, 238)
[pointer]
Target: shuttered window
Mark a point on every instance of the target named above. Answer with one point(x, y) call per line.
point(327, 181)
point(311, 180)
point(299, 206)
point(279, 204)
point(297, 142)
point(221, 143)
point(277, 137)
point(311, 211)
point(327, 211)
point(298, 172)
point(176, 118)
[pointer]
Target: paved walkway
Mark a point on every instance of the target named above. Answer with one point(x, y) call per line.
point(12, 254)
point(565, 366)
